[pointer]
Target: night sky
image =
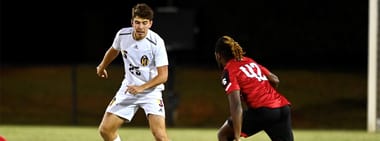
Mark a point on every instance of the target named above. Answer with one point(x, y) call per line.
point(284, 33)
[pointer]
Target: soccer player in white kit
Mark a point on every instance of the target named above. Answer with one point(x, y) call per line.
point(146, 70)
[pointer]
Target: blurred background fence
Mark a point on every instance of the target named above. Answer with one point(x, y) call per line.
point(47, 95)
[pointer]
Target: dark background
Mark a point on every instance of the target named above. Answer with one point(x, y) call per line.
point(285, 33)
point(49, 51)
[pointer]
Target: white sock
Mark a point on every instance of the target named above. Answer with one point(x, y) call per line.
point(117, 138)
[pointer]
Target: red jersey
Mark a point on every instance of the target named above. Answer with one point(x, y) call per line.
point(251, 79)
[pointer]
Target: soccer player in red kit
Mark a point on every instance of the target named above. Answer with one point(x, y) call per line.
point(245, 80)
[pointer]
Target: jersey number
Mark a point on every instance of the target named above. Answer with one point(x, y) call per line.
point(252, 70)
point(134, 69)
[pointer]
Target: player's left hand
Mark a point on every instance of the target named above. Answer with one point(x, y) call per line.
point(134, 89)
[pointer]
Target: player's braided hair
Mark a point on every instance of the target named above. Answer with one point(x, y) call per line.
point(142, 10)
point(228, 48)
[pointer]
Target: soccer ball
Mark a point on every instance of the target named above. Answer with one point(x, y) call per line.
point(2, 138)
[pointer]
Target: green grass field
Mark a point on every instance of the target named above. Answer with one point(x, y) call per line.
point(90, 133)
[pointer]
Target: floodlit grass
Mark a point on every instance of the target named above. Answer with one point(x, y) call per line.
point(90, 133)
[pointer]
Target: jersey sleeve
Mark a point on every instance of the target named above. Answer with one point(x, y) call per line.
point(229, 82)
point(116, 41)
point(160, 54)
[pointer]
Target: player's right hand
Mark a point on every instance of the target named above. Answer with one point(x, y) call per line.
point(101, 72)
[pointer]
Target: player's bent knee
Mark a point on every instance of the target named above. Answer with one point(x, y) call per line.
point(160, 136)
point(104, 131)
point(220, 135)
point(225, 135)
point(107, 133)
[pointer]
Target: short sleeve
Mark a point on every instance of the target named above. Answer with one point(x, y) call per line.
point(229, 82)
point(116, 41)
point(160, 54)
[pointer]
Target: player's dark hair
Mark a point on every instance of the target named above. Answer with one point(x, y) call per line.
point(228, 48)
point(142, 10)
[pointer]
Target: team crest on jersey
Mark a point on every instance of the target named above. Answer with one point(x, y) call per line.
point(144, 60)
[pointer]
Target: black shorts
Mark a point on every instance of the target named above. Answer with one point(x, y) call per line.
point(275, 122)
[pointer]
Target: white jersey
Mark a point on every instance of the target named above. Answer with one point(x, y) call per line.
point(141, 58)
